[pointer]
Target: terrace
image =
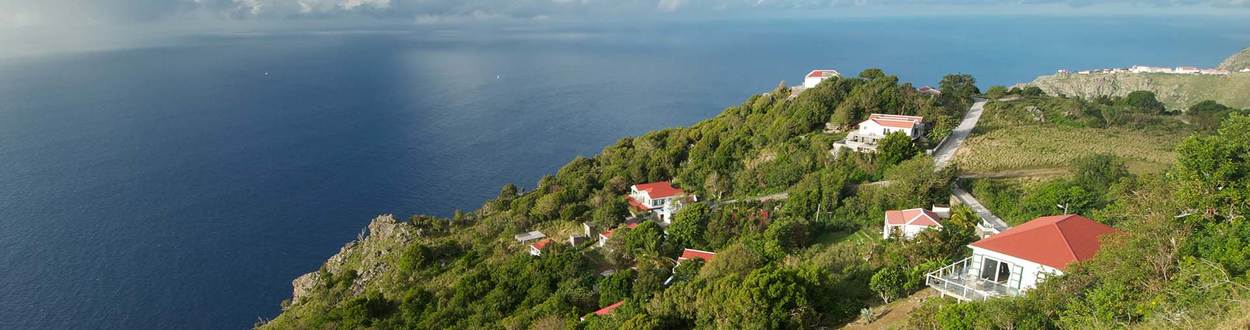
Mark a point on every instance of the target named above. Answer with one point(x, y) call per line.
point(965, 281)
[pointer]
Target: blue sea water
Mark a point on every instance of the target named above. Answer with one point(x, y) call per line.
point(184, 185)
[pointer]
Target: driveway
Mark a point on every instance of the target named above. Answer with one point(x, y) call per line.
point(946, 152)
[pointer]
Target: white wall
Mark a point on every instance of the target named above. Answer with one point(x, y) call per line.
point(1028, 269)
point(908, 231)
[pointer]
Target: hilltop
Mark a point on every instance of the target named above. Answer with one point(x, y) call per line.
point(1237, 62)
point(1177, 91)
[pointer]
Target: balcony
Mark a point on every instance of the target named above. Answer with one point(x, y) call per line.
point(965, 281)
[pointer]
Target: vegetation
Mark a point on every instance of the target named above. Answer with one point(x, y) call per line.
point(1179, 260)
point(779, 264)
point(1051, 132)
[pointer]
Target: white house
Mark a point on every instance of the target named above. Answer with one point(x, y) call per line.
point(869, 132)
point(536, 249)
point(1016, 260)
point(659, 198)
point(817, 76)
point(909, 223)
point(1149, 69)
point(929, 90)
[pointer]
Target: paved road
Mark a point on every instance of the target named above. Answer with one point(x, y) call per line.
point(988, 219)
point(946, 152)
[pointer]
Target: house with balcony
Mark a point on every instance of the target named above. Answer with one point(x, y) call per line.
point(909, 223)
point(871, 131)
point(1018, 259)
point(536, 249)
point(658, 198)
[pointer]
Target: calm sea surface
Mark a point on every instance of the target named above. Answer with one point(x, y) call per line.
point(185, 185)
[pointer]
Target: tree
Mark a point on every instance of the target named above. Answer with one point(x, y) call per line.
point(1206, 115)
point(688, 226)
point(644, 239)
point(889, 283)
point(1032, 91)
point(895, 148)
point(616, 287)
point(959, 87)
point(872, 73)
point(1143, 101)
point(1098, 172)
point(1214, 171)
point(996, 92)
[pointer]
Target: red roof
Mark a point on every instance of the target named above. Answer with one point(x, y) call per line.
point(822, 73)
point(660, 189)
point(688, 254)
point(609, 309)
point(896, 121)
point(1055, 241)
point(636, 204)
point(608, 233)
point(914, 217)
point(541, 244)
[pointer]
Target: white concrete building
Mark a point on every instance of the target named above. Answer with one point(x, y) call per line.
point(1186, 70)
point(909, 223)
point(869, 132)
point(659, 198)
point(816, 76)
point(1016, 260)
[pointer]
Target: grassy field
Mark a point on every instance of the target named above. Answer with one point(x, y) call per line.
point(1036, 146)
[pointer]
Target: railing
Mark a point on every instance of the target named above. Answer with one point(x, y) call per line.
point(961, 281)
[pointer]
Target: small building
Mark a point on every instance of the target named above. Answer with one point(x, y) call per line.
point(1187, 70)
point(536, 249)
point(604, 311)
point(1016, 260)
point(605, 235)
point(816, 76)
point(659, 198)
point(526, 237)
point(929, 90)
point(1062, 71)
point(871, 131)
point(1216, 72)
point(691, 254)
point(909, 223)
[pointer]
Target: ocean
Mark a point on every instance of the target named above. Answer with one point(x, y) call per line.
point(185, 184)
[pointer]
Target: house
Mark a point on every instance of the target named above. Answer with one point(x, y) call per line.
point(604, 311)
point(930, 91)
point(607, 234)
point(1061, 71)
point(659, 198)
point(691, 254)
point(1244, 70)
point(909, 223)
point(1186, 69)
point(536, 249)
point(1217, 72)
point(526, 237)
point(869, 132)
point(1016, 260)
point(816, 76)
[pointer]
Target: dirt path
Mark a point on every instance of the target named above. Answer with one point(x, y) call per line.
point(1021, 173)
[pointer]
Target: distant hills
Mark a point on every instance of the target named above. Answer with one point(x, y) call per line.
point(1177, 91)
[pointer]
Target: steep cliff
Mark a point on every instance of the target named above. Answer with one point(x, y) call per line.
point(1177, 91)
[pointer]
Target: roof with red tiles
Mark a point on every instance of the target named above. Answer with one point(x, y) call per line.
point(1055, 241)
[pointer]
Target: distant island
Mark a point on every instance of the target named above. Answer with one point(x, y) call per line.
point(848, 201)
point(1178, 87)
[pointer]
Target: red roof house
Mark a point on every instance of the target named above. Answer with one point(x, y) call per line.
point(536, 249)
point(660, 198)
point(1016, 260)
point(605, 311)
point(689, 254)
point(1055, 241)
point(909, 223)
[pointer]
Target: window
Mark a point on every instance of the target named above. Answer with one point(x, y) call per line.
point(657, 202)
point(995, 271)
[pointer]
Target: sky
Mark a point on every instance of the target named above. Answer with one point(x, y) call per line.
point(40, 26)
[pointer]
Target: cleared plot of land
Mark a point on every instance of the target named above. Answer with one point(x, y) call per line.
point(1033, 146)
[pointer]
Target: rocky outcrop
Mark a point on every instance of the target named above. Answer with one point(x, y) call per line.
point(367, 256)
point(1237, 62)
point(1177, 91)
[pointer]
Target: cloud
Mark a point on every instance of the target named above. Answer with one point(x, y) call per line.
point(20, 13)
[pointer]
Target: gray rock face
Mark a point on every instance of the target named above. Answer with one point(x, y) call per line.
point(367, 255)
point(1237, 62)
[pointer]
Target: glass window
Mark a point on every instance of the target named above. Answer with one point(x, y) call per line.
point(995, 271)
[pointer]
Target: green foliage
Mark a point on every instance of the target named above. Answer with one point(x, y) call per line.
point(1143, 101)
point(645, 239)
point(960, 88)
point(889, 283)
point(1214, 171)
point(996, 92)
point(1207, 115)
point(688, 226)
point(895, 148)
point(615, 287)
